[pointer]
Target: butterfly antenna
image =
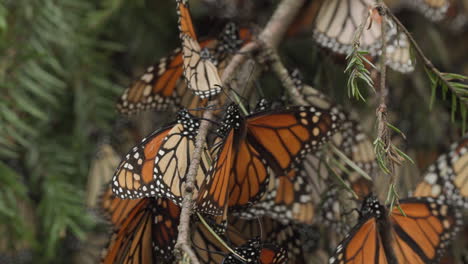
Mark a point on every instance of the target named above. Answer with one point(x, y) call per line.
point(237, 99)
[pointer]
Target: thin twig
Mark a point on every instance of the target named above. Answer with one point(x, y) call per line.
point(279, 22)
point(382, 129)
point(360, 31)
point(383, 57)
point(187, 202)
point(280, 70)
point(271, 35)
point(273, 32)
point(419, 51)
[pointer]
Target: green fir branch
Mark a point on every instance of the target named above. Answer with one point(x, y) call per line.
point(387, 153)
point(357, 72)
point(456, 84)
point(438, 79)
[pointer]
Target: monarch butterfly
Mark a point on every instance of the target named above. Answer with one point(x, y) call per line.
point(294, 196)
point(419, 235)
point(448, 176)
point(248, 145)
point(160, 86)
point(116, 209)
point(334, 23)
point(146, 234)
point(199, 66)
point(287, 198)
point(159, 164)
point(149, 230)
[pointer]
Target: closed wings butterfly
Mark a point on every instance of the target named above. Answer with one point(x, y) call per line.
point(116, 209)
point(159, 164)
point(160, 87)
point(420, 235)
point(334, 23)
point(146, 234)
point(448, 176)
point(199, 66)
point(248, 146)
point(288, 198)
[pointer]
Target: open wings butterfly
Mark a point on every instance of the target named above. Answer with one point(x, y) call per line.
point(293, 197)
point(420, 235)
point(278, 139)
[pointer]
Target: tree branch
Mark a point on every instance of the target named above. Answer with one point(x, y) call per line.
point(280, 21)
point(423, 57)
point(280, 70)
point(272, 34)
point(382, 130)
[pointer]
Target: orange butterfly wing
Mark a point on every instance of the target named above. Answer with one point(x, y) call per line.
point(185, 19)
point(424, 233)
point(131, 243)
point(419, 237)
point(147, 234)
point(199, 69)
point(287, 135)
point(116, 209)
point(155, 88)
point(248, 177)
point(134, 176)
point(238, 175)
point(213, 195)
point(362, 246)
point(282, 137)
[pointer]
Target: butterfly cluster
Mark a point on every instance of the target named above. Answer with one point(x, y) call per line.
point(266, 188)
